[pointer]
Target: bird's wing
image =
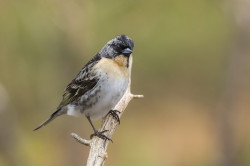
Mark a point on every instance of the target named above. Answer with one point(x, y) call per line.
point(84, 81)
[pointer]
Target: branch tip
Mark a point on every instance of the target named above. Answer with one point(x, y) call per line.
point(80, 140)
point(137, 96)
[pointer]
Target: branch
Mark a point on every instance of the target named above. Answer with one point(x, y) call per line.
point(98, 147)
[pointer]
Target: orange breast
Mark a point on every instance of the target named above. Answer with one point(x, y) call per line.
point(115, 67)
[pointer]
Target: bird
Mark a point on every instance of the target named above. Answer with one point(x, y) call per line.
point(99, 85)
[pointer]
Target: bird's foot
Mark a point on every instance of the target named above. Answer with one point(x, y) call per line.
point(114, 114)
point(100, 135)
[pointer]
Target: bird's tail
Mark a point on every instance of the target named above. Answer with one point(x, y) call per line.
point(52, 116)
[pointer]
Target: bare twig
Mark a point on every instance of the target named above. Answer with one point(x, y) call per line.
point(81, 140)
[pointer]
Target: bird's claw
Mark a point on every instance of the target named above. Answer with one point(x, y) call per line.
point(100, 135)
point(114, 114)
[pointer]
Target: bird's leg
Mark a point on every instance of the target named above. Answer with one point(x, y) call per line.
point(114, 114)
point(98, 133)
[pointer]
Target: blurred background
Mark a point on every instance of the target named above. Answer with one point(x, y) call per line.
point(191, 61)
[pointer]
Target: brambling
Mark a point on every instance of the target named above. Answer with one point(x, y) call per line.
point(100, 84)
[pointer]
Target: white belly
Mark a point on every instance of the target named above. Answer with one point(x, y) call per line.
point(111, 92)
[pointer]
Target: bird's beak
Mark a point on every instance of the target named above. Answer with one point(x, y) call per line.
point(127, 51)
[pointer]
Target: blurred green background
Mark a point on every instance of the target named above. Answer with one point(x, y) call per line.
point(182, 60)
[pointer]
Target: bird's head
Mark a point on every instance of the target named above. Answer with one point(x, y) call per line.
point(121, 45)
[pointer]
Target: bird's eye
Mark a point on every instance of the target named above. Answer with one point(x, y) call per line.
point(123, 47)
point(120, 48)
